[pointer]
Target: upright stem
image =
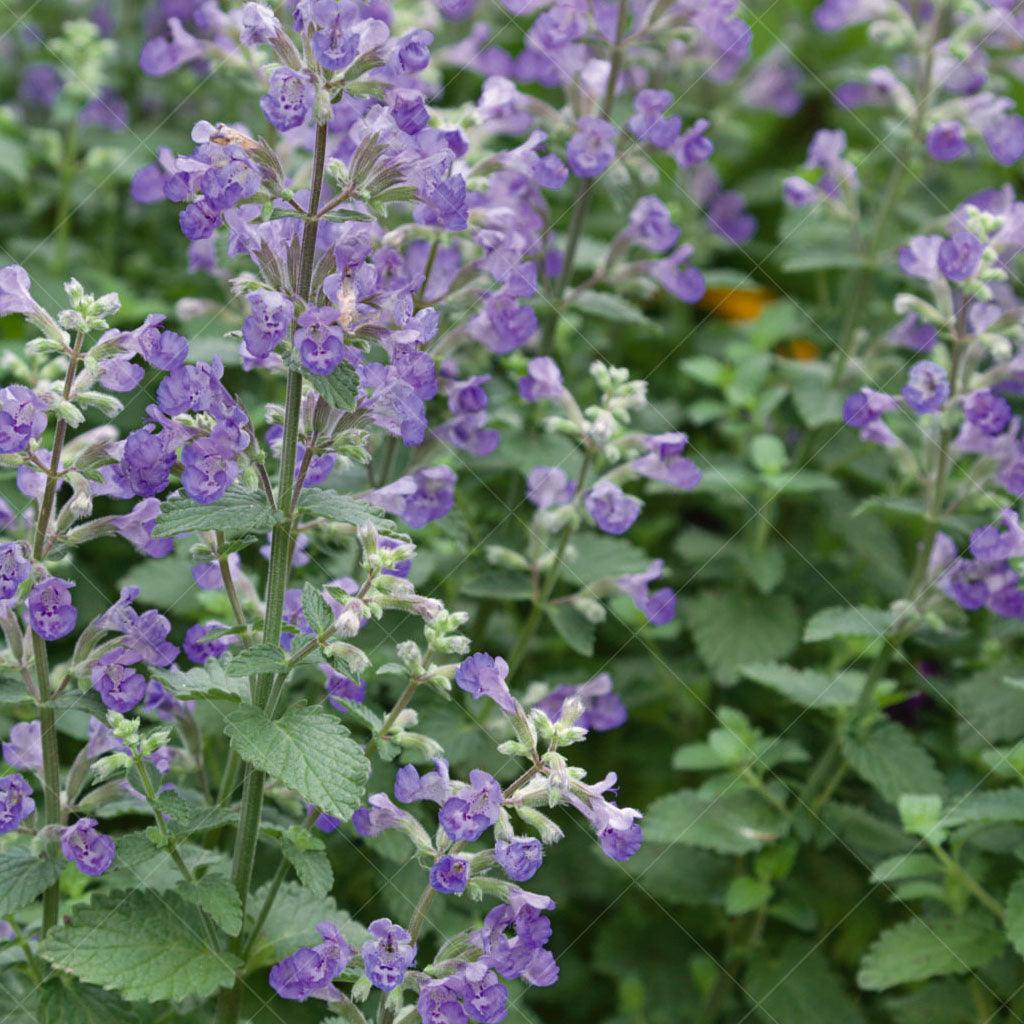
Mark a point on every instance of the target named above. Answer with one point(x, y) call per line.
point(584, 187)
point(228, 1004)
point(47, 719)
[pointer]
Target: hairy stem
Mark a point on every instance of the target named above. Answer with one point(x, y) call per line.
point(246, 838)
point(47, 719)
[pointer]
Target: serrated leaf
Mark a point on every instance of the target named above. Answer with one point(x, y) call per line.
point(746, 893)
point(203, 682)
point(312, 867)
point(737, 822)
point(317, 611)
point(339, 387)
point(853, 621)
point(188, 817)
point(23, 876)
point(340, 508)
point(257, 659)
point(307, 749)
point(680, 874)
point(575, 629)
point(795, 984)
point(609, 306)
point(893, 762)
point(733, 628)
point(145, 949)
point(237, 512)
point(919, 949)
point(218, 897)
point(988, 805)
point(65, 1001)
point(806, 687)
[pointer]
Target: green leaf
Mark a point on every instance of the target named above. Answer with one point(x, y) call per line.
point(311, 865)
point(746, 893)
point(893, 762)
point(856, 621)
point(317, 611)
point(768, 454)
point(608, 306)
point(338, 388)
point(680, 874)
point(1015, 915)
point(144, 948)
point(204, 682)
point(806, 687)
point(217, 895)
point(63, 1000)
point(502, 585)
point(575, 629)
point(188, 817)
point(944, 1001)
point(237, 512)
point(795, 984)
point(340, 508)
point(920, 949)
point(596, 556)
point(904, 866)
point(990, 805)
point(738, 822)
point(259, 658)
point(733, 628)
point(23, 876)
point(307, 749)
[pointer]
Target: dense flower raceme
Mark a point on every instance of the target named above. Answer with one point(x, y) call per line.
point(957, 401)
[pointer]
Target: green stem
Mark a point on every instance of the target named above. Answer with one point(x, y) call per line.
point(555, 572)
point(47, 719)
point(584, 186)
point(403, 701)
point(246, 839)
point(969, 882)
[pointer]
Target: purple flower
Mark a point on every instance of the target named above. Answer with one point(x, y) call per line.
point(592, 148)
point(379, 815)
point(519, 857)
point(648, 122)
point(309, 971)
point(24, 746)
point(660, 605)
point(14, 569)
point(412, 51)
point(946, 141)
point(22, 417)
point(467, 816)
point(200, 650)
point(388, 955)
point(480, 675)
point(612, 510)
point(410, 786)
point(16, 802)
point(15, 296)
point(959, 255)
point(543, 380)
point(164, 54)
point(449, 874)
point(210, 465)
point(693, 147)
point(621, 843)
point(1004, 136)
point(674, 274)
point(602, 708)
point(510, 323)
point(40, 85)
point(50, 611)
point(440, 1002)
point(444, 203)
point(420, 498)
point(334, 45)
point(548, 485)
point(513, 936)
point(259, 24)
point(409, 111)
point(287, 102)
point(90, 851)
point(999, 541)
point(650, 225)
point(268, 322)
point(340, 687)
point(320, 347)
point(118, 683)
point(665, 462)
point(989, 412)
point(728, 217)
point(484, 998)
point(927, 387)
